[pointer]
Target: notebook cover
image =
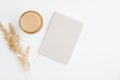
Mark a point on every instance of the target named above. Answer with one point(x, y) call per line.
point(61, 37)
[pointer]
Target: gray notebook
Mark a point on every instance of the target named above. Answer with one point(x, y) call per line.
point(61, 37)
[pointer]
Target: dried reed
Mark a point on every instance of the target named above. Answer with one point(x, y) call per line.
point(13, 42)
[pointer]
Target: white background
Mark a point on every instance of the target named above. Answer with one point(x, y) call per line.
point(96, 55)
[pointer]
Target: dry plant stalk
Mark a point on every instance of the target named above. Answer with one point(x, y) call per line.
point(13, 41)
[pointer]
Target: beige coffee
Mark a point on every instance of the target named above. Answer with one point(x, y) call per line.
point(31, 22)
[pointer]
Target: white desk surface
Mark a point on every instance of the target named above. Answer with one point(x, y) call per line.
point(96, 55)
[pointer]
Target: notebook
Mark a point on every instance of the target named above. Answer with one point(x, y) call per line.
point(61, 37)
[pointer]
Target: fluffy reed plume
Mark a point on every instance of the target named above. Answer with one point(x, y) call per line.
point(13, 41)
